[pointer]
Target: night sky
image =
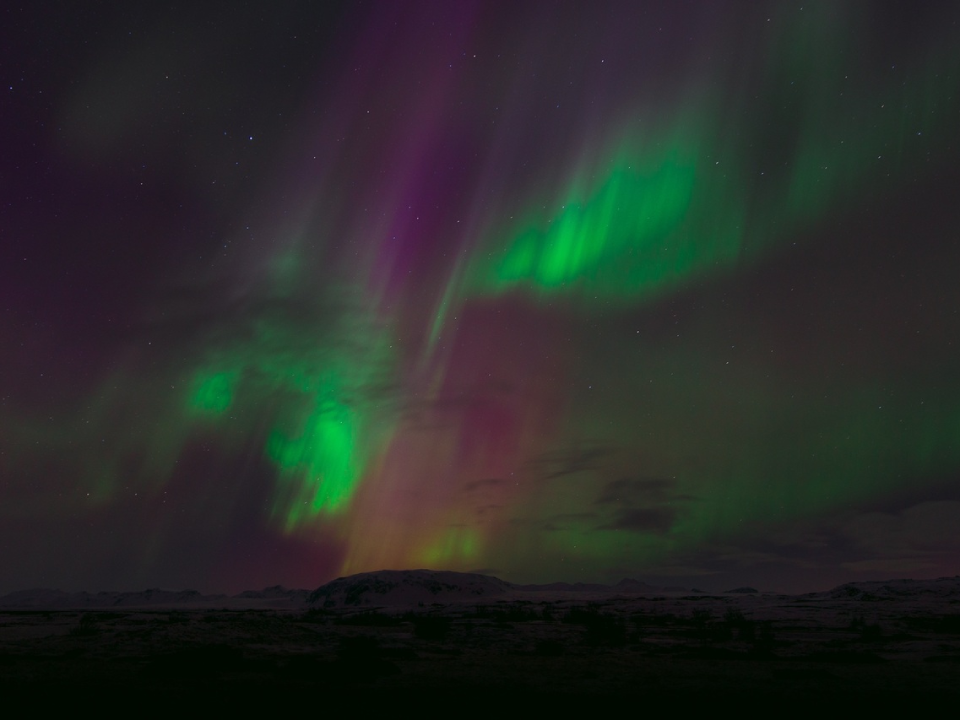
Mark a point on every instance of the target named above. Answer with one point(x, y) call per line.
point(548, 290)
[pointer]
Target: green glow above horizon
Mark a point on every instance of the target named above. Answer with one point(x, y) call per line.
point(213, 392)
point(651, 211)
point(658, 214)
point(630, 212)
point(428, 316)
point(456, 545)
point(319, 466)
point(309, 391)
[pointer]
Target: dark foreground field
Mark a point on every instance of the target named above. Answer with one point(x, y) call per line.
point(564, 649)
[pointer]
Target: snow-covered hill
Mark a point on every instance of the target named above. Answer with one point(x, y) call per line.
point(408, 587)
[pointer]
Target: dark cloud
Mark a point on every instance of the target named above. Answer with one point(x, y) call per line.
point(641, 504)
point(478, 484)
point(639, 490)
point(566, 521)
point(559, 464)
point(853, 544)
point(942, 487)
point(657, 520)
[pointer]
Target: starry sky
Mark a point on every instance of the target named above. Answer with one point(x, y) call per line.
point(549, 290)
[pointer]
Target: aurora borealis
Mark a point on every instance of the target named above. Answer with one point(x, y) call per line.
point(554, 291)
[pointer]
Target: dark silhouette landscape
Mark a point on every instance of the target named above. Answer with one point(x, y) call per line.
point(402, 635)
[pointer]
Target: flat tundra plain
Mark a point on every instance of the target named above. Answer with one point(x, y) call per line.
point(869, 641)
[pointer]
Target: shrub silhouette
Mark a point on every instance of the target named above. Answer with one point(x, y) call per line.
point(764, 643)
point(370, 619)
point(733, 616)
point(316, 615)
point(549, 648)
point(430, 627)
point(947, 624)
point(871, 632)
point(701, 617)
point(580, 615)
point(513, 612)
point(734, 620)
point(602, 629)
point(358, 648)
point(199, 662)
point(86, 627)
point(361, 659)
point(707, 630)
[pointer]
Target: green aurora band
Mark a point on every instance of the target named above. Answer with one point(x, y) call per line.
point(669, 206)
point(667, 201)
